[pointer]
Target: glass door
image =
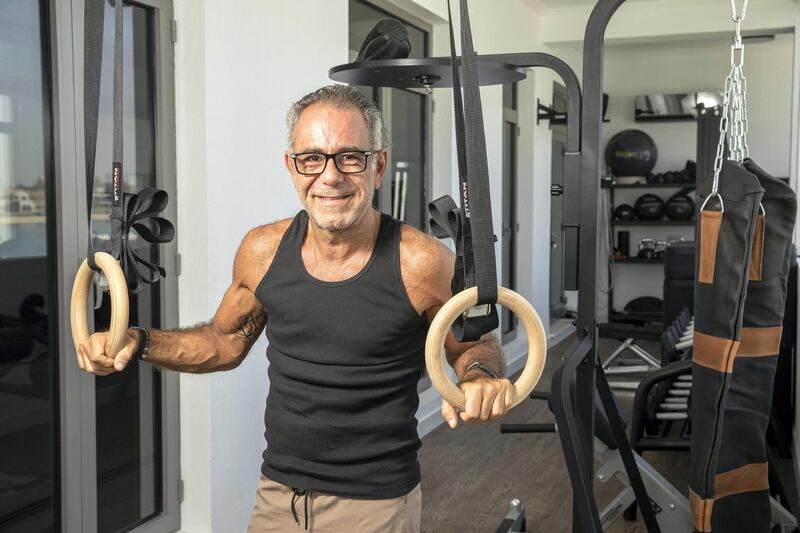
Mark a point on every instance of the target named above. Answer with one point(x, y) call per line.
point(79, 453)
point(128, 404)
point(29, 474)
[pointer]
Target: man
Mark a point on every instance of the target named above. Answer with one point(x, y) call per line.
point(346, 295)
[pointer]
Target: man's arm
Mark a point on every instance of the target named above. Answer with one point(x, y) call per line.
point(220, 344)
point(427, 271)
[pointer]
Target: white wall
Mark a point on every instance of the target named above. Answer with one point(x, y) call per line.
point(239, 64)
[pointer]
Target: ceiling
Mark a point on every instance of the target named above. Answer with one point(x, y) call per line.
point(556, 4)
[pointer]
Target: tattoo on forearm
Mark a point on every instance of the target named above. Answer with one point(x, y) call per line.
point(248, 328)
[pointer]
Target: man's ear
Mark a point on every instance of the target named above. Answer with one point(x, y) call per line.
point(381, 162)
point(287, 161)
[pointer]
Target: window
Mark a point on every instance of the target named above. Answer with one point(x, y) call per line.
point(403, 193)
point(99, 455)
point(29, 474)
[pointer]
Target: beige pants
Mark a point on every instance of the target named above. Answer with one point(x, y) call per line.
point(332, 514)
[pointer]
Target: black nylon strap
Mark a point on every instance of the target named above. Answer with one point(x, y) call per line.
point(480, 208)
point(92, 60)
point(117, 213)
point(447, 220)
point(140, 213)
point(128, 211)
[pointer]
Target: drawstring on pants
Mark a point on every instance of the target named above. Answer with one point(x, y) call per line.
point(297, 493)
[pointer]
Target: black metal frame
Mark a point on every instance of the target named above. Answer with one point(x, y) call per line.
point(582, 172)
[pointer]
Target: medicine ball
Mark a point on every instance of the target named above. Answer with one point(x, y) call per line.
point(631, 153)
point(649, 207)
point(623, 212)
point(680, 206)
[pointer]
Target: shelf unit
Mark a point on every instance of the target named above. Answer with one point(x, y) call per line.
point(666, 118)
point(612, 185)
point(663, 222)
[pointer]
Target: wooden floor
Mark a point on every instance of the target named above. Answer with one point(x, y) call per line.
point(469, 475)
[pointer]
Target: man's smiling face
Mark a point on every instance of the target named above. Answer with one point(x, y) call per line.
point(335, 201)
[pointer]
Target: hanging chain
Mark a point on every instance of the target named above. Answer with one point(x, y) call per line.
point(734, 104)
point(740, 126)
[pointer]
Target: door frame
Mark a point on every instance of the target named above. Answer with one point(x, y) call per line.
point(76, 425)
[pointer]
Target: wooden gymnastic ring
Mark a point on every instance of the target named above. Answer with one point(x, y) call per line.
point(435, 359)
point(119, 303)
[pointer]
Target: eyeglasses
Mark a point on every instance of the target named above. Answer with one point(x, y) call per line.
point(314, 163)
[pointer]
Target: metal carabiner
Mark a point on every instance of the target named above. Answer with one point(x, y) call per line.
point(709, 197)
point(738, 17)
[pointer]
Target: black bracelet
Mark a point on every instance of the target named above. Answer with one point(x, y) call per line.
point(144, 340)
point(483, 368)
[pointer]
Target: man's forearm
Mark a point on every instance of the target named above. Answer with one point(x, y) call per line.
point(486, 351)
point(194, 349)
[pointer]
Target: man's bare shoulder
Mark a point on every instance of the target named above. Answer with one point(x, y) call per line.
point(257, 250)
point(422, 252)
point(426, 268)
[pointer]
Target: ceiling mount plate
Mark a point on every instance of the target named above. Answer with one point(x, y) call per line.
point(425, 73)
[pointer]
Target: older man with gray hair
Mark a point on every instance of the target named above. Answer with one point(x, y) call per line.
point(345, 294)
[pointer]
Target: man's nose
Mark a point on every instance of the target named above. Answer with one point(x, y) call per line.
point(331, 174)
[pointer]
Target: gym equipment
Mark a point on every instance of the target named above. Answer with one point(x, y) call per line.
point(123, 267)
point(631, 153)
point(647, 249)
point(670, 507)
point(471, 311)
point(623, 243)
point(646, 307)
point(680, 206)
point(661, 401)
point(649, 207)
point(661, 247)
point(727, 488)
point(629, 344)
point(514, 522)
point(456, 306)
point(678, 285)
point(742, 480)
point(387, 40)
point(623, 212)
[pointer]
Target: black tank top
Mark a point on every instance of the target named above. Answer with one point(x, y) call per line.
point(344, 361)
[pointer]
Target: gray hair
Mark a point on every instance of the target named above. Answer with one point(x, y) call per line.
point(342, 96)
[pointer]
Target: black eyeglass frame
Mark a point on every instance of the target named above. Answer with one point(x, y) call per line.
point(328, 157)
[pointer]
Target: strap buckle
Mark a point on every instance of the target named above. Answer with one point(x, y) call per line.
point(101, 286)
point(478, 311)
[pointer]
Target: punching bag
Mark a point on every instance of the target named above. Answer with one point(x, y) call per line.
point(741, 481)
point(725, 242)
